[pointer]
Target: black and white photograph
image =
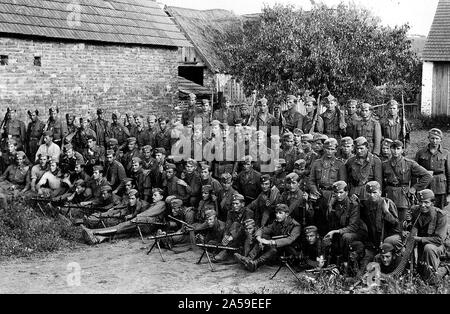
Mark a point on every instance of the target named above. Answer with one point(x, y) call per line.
point(223, 153)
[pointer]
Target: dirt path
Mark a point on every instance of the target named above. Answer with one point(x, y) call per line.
point(123, 267)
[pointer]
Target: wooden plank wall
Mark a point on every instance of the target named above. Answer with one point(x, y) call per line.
point(441, 89)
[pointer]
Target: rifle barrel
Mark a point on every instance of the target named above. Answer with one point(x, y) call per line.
point(162, 236)
point(213, 246)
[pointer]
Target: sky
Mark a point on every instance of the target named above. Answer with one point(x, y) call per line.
point(418, 13)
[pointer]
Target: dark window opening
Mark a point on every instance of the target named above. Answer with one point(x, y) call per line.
point(3, 60)
point(37, 61)
point(194, 74)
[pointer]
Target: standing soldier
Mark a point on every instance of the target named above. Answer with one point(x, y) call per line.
point(435, 159)
point(333, 119)
point(392, 125)
point(133, 151)
point(346, 149)
point(152, 129)
point(264, 118)
point(245, 117)
point(71, 128)
point(226, 114)
point(163, 137)
point(101, 129)
point(118, 130)
point(80, 138)
point(291, 115)
point(189, 113)
point(306, 122)
point(289, 152)
point(140, 132)
point(352, 117)
point(362, 168)
point(34, 133)
point(386, 149)
point(55, 125)
point(16, 129)
point(398, 173)
point(369, 128)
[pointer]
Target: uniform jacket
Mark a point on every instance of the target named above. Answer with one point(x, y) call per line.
point(296, 203)
point(371, 130)
point(393, 129)
point(292, 118)
point(439, 164)
point(432, 226)
point(345, 216)
point(288, 227)
point(247, 182)
point(360, 171)
point(101, 129)
point(324, 172)
point(119, 132)
point(305, 124)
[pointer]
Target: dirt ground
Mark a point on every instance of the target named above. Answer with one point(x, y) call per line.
point(123, 267)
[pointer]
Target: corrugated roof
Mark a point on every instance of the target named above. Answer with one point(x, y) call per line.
point(437, 46)
point(116, 21)
point(201, 28)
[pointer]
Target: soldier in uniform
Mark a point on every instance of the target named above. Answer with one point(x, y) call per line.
point(398, 173)
point(192, 178)
point(133, 151)
point(333, 119)
point(69, 159)
point(435, 159)
point(388, 258)
point(55, 125)
point(318, 141)
point(346, 149)
point(80, 139)
point(142, 179)
point(247, 181)
point(392, 125)
point(226, 114)
point(71, 128)
point(207, 179)
point(245, 117)
point(386, 149)
point(295, 199)
point(173, 185)
point(93, 154)
point(431, 230)
point(291, 115)
point(16, 129)
point(306, 122)
point(101, 128)
point(37, 171)
point(163, 137)
point(118, 131)
point(152, 129)
point(49, 148)
point(189, 114)
point(13, 179)
point(208, 201)
point(352, 117)
point(289, 152)
point(279, 175)
point(114, 170)
point(263, 206)
point(225, 197)
point(34, 133)
point(103, 204)
point(97, 181)
point(362, 168)
point(228, 148)
point(140, 132)
point(369, 128)
point(308, 154)
point(264, 118)
point(315, 252)
point(212, 229)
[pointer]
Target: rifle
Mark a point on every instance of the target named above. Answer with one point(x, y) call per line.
point(191, 231)
point(3, 124)
point(403, 122)
point(205, 248)
point(323, 269)
point(316, 116)
point(158, 238)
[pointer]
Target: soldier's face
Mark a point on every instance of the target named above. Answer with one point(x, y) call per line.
point(227, 104)
point(52, 114)
point(293, 185)
point(309, 107)
point(132, 200)
point(297, 138)
point(396, 151)
point(189, 168)
point(311, 238)
point(131, 146)
point(386, 150)
point(347, 148)
point(374, 195)
point(393, 110)
point(11, 148)
point(247, 166)
point(85, 124)
point(78, 168)
point(264, 108)
point(281, 216)
point(33, 116)
point(386, 258)
point(96, 174)
point(110, 158)
point(289, 143)
point(192, 101)
point(19, 160)
point(162, 125)
point(43, 160)
point(306, 145)
point(265, 186)
point(226, 185)
point(47, 139)
point(128, 186)
point(425, 206)
point(351, 108)
point(151, 123)
point(205, 195)
point(435, 140)
point(290, 104)
point(215, 129)
point(105, 195)
point(318, 146)
point(139, 122)
point(170, 173)
point(147, 153)
point(361, 150)
point(340, 194)
point(114, 119)
point(330, 152)
point(237, 205)
point(211, 221)
point(205, 174)
point(244, 112)
point(157, 197)
point(330, 105)
point(365, 112)
point(79, 189)
point(250, 230)
point(136, 166)
point(53, 166)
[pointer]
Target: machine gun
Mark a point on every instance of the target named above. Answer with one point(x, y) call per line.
point(39, 200)
point(153, 223)
point(205, 248)
point(188, 226)
point(160, 237)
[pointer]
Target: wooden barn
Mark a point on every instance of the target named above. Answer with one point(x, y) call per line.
point(436, 64)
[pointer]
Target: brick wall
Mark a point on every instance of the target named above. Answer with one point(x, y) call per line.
point(81, 77)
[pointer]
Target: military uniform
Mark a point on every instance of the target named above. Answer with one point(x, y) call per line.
point(119, 132)
point(331, 123)
point(292, 118)
point(35, 131)
point(101, 129)
point(351, 121)
point(56, 126)
point(369, 129)
point(227, 116)
point(264, 205)
point(247, 183)
point(81, 137)
point(16, 129)
point(141, 135)
point(114, 173)
point(305, 124)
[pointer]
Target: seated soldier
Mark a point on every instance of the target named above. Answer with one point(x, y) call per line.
point(142, 179)
point(192, 178)
point(52, 182)
point(79, 173)
point(263, 206)
point(114, 170)
point(215, 228)
point(315, 251)
point(279, 176)
point(148, 161)
point(387, 258)
point(80, 193)
point(157, 171)
point(251, 247)
point(141, 214)
point(285, 227)
point(93, 154)
point(37, 171)
point(69, 158)
point(174, 185)
point(125, 186)
point(295, 198)
point(225, 198)
point(104, 203)
point(48, 148)
point(302, 172)
point(344, 222)
point(205, 204)
point(97, 181)
point(13, 179)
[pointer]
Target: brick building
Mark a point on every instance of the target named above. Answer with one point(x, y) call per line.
point(81, 55)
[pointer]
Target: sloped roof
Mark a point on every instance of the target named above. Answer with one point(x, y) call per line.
point(437, 47)
point(186, 87)
point(201, 28)
point(116, 21)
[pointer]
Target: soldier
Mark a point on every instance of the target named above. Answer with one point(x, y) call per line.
point(34, 133)
point(343, 222)
point(55, 125)
point(291, 115)
point(189, 114)
point(152, 129)
point(49, 148)
point(212, 230)
point(388, 258)
point(97, 181)
point(318, 141)
point(207, 179)
point(148, 162)
point(435, 159)
point(289, 153)
point(51, 182)
point(103, 204)
point(175, 186)
point(251, 246)
point(352, 117)
point(315, 252)
point(69, 159)
point(71, 128)
point(263, 206)
point(392, 125)
point(118, 130)
point(13, 179)
point(302, 172)
point(133, 151)
point(228, 148)
point(114, 170)
point(264, 118)
point(308, 154)
point(9, 156)
point(225, 197)
point(163, 137)
point(279, 175)
point(206, 203)
point(192, 178)
point(245, 117)
point(93, 154)
point(247, 181)
point(79, 172)
point(142, 179)
point(430, 228)
point(226, 114)
point(80, 139)
point(369, 128)
point(398, 173)
point(101, 128)
point(157, 171)
point(79, 194)
point(306, 122)
point(284, 225)
point(333, 119)
point(140, 132)
point(298, 139)
point(346, 149)
point(14, 128)
point(362, 168)
point(386, 149)
point(295, 199)
point(37, 171)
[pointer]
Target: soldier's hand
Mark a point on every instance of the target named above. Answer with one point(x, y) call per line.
point(385, 206)
point(342, 125)
point(412, 190)
point(268, 203)
point(418, 239)
point(182, 182)
point(405, 234)
point(128, 217)
point(354, 197)
point(199, 238)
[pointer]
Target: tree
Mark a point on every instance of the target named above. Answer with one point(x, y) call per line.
point(344, 48)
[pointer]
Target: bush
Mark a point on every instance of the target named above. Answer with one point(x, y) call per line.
point(24, 232)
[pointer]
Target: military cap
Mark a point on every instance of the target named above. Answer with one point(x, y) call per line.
point(282, 208)
point(300, 162)
point(146, 147)
point(307, 137)
point(244, 106)
point(347, 141)
point(170, 198)
point(238, 197)
point(426, 194)
point(125, 180)
point(281, 161)
point(52, 109)
point(131, 140)
point(12, 141)
point(386, 248)
point(292, 177)
point(110, 152)
point(204, 165)
point(339, 185)
point(372, 186)
point(397, 144)
point(160, 150)
point(226, 177)
point(249, 223)
point(357, 246)
point(176, 202)
point(80, 162)
point(132, 192)
point(387, 142)
point(263, 101)
point(99, 111)
point(207, 188)
point(192, 96)
point(310, 99)
point(330, 98)
point(319, 136)
point(361, 141)
point(210, 213)
point(170, 166)
point(79, 182)
point(392, 103)
point(191, 162)
point(205, 101)
point(157, 190)
point(215, 122)
point(97, 167)
point(288, 136)
point(365, 106)
point(291, 97)
point(435, 131)
point(136, 160)
point(330, 143)
point(67, 147)
point(264, 178)
point(50, 158)
point(20, 154)
point(248, 159)
point(113, 141)
point(298, 131)
point(310, 229)
point(106, 188)
point(48, 133)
